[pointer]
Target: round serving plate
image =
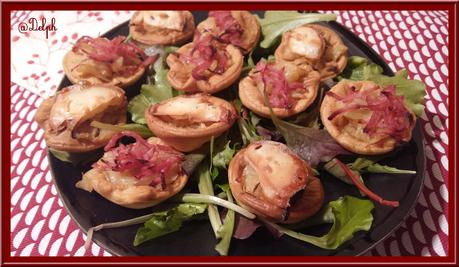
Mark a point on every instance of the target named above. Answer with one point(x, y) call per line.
point(197, 238)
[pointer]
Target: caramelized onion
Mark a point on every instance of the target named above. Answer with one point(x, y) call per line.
point(206, 56)
point(231, 30)
point(389, 114)
point(101, 71)
point(276, 85)
point(141, 159)
point(109, 52)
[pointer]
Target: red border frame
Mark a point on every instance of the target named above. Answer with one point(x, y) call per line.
point(6, 259)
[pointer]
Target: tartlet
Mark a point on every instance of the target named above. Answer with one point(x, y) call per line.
point(290, 88)
point(239, 28)
point(66, 116)
point(270, 180)
point(204, 66)
point(137, 175)
point(186, 122)
point(161, 27)
point(316, 45)
point(102, 61)
point(366, 118)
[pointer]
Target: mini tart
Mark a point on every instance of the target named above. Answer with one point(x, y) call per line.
point(316, 45)
point(180, 73)
point(123, 189)
point(186, 122)
point(270, 180)
point(74, 59)
point(348, 128)
point(161, 27)
point(66, 117)
point(247, 21)
point(251, 92)
point(335, 56)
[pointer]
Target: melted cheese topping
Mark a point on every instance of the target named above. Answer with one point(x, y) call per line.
point(276, 170)
point(79, 104)
point(192, 109)
point(306, 42)
point(120, 178)
point(172, 20)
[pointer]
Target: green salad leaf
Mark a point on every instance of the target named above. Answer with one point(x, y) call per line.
point(413, 91)
point(275, 23)
point(156, 90)
point(141, 129)
point(165, 222)
point(334, 169)
point(247, 123)
point(226, 230)
point(368, 165)
point(222, 158)
point(206, 187)
point(350, 215)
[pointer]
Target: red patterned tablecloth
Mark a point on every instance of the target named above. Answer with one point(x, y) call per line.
point(416, 40)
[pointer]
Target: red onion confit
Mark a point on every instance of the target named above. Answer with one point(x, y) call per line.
point(109, 51)
point(389, 114)
point(141, 159)
point(203, 56)
point(276, 85)
point(231, 30)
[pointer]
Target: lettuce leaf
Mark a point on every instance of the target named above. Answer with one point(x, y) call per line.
point(368, 165)
point(165, 222)
point(141, 129)
point(413, 91)
point(222, 158)
point(274, 23)
point(156, 90)
point(247, 123)
point(225, 232)
point(332, 168)
point(350, 215)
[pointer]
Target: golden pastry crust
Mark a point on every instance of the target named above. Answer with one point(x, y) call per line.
point(316, 45)
point(180, 73)
point(148, 35)
point(345, 128)
point(65, 117)
point(335, 56)
point(74, 59)
point(252, 96)
point(124, 191)
point(268, 179)
point(249, 23)
point(186, 122)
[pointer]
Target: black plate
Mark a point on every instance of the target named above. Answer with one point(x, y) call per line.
point(197, 238)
